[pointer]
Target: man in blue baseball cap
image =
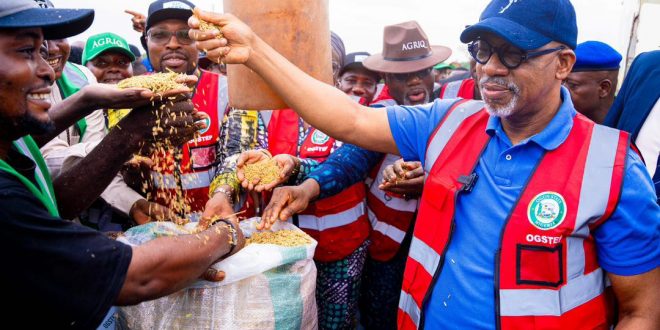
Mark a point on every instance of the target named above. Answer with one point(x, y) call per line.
point(528, 207)
point(594, 78)
point(68, 274)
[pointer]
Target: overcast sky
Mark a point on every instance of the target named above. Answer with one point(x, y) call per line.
point(360, 22)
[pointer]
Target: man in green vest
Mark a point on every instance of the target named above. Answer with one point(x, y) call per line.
point(67, 274)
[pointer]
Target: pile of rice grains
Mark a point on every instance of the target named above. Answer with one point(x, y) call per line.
point(158, 83)
point(286, 237)
point(266, 171)
point(166, 156)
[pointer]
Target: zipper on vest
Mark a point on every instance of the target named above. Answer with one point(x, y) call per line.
point(498, 253)
point(440, 263)
point(496, 284)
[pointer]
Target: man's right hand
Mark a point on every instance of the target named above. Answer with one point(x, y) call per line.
point(287, 201)
point(139, 20)
point(236, 45)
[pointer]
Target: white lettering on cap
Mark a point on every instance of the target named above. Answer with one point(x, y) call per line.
point(107, 41)
point(176, 5)
point(508, 6)
point(360, 58)
point(414, 45)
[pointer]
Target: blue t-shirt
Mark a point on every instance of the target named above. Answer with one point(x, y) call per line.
point(463, 296)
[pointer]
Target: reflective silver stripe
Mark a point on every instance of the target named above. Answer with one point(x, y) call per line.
point(594, 192)
point(424, 255)
point(20, 143)
point(444, 133)
point(408, 305)
point(163, 181)
point(394, 203)
point(388, 230)
point(188, 180)
point(535, 302)
point(452, 89)
point(343, 218)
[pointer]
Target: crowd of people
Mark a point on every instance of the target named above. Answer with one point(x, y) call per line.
point(521, 192)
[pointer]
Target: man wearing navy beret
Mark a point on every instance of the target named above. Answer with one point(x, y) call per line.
point(593, 81)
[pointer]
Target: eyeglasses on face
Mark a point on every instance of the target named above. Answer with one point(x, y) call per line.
point(162, 37)
point(510, 56)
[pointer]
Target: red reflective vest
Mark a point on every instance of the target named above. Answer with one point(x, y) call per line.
point(198, 164)
point(390, 215)
point(459, 88)
point(339, 223)
point(546, 272)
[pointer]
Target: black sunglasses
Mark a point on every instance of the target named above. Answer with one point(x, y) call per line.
point(511, 57)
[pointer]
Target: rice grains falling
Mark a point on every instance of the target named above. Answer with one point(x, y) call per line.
point(285, 237)
point(266, 171)
point(205, 26)
point(158, 82)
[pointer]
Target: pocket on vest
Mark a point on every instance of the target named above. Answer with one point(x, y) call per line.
point(539, 265)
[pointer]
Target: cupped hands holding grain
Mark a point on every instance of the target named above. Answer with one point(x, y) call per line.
point(259, 171)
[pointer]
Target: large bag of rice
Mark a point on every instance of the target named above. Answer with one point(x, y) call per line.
point(266, 286)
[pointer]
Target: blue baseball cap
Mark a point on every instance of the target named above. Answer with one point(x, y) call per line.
point(55, 23)
point(596, 56)
point(527, 24)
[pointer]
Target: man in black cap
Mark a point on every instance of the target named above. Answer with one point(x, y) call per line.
point(594, 78)
point(355, 79)
point(527, 206)
point(170, 48)
point(71, 274)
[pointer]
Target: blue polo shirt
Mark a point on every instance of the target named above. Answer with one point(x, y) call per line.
point(463, 296)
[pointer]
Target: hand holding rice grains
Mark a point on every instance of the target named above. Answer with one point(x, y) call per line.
point(205, 26)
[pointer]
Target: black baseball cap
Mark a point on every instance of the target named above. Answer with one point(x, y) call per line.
point(354, 61)
point(168, 9)
point(55, 23)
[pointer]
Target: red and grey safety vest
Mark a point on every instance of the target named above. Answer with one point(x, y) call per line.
point(458, 88)
point(198, 165)
point(339, 223)
point(546, 269)
point(390, 215)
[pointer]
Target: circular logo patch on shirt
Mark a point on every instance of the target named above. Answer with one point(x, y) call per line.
point(207, 121)
point(547, 210)
point(319, 137)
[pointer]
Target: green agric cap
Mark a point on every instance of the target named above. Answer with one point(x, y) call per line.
point(103, 42)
